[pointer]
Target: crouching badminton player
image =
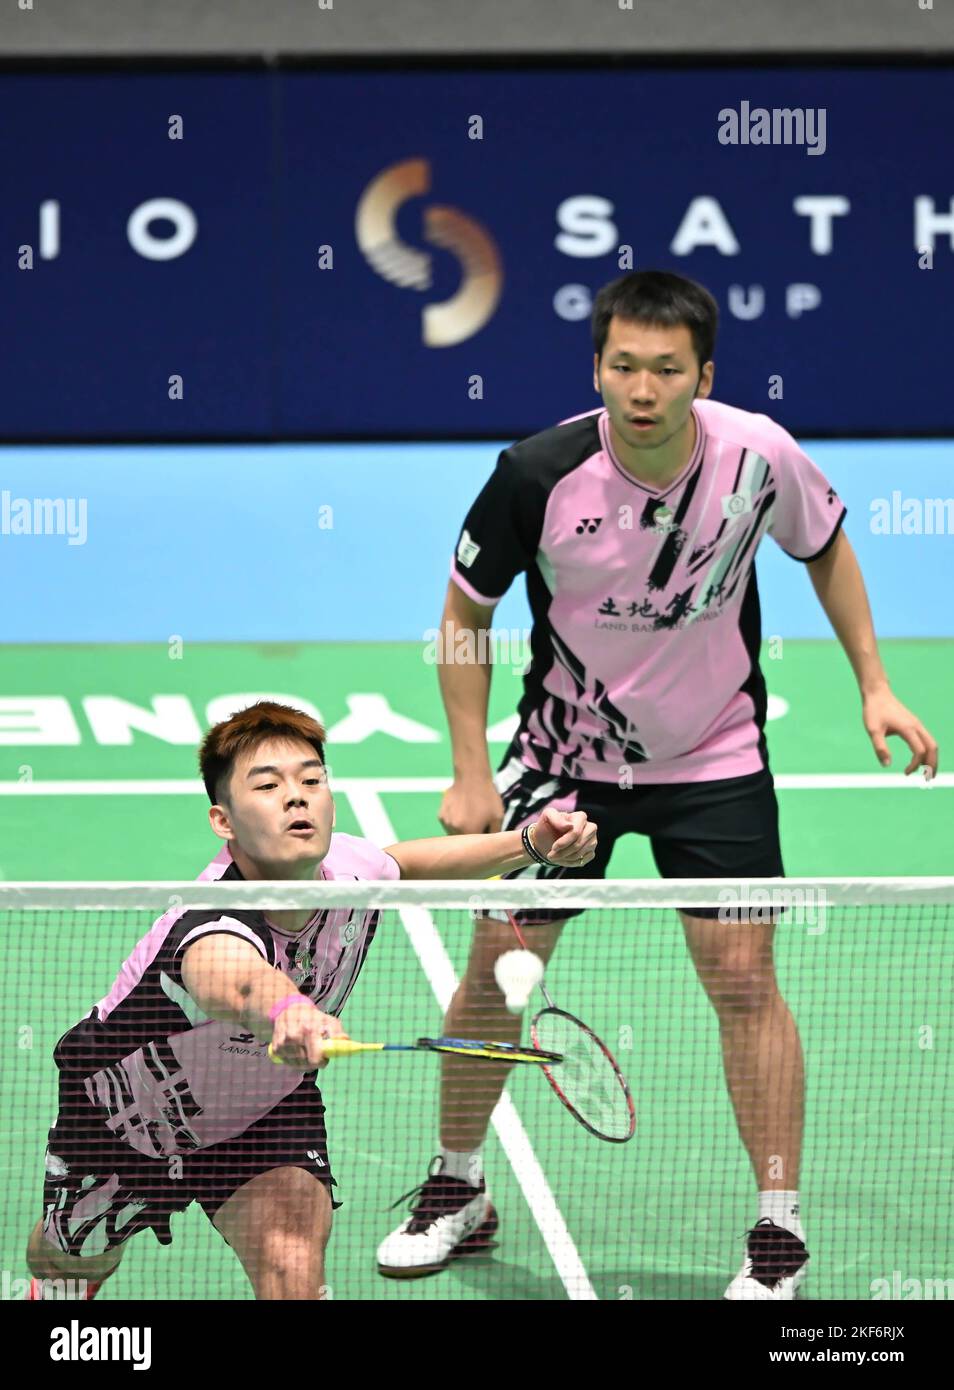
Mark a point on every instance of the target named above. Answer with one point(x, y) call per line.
point(166, 1092)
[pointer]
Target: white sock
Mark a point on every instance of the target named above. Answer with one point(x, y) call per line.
point(469, 1167)
point(783, 1209)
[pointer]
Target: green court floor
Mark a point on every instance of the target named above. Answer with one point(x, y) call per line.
point(659, 1218)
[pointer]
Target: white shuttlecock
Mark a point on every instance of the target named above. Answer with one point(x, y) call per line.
point(518, 973)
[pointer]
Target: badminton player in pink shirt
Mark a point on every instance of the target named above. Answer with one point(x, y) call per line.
point(167, 1094)
point(637, 526)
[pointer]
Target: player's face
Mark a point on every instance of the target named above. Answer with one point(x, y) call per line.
point(648, 377)
point(280, 812)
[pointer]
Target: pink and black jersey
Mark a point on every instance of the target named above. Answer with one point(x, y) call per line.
point(166, 1078)
point(646, 621)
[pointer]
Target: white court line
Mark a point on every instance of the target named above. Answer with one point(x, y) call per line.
point(435, 962)
point(192, 786)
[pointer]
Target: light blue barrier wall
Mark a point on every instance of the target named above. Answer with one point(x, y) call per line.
point(232, 544)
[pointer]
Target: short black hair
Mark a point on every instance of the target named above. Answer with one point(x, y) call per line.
point(243, 731)
point(658, 297)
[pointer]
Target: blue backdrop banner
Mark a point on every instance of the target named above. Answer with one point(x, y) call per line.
point(290, 254)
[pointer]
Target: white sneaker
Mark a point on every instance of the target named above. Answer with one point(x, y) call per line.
point(449, 1218)
point(774, 1265)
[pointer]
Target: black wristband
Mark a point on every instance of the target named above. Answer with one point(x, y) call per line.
point(531, 849)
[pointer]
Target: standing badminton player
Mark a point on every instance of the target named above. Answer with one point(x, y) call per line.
point(637, 525)
point(166, 1092)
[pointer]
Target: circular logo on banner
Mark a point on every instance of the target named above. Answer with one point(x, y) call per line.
point(475, 300)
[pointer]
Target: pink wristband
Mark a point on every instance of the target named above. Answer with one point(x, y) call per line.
point(286, 1003)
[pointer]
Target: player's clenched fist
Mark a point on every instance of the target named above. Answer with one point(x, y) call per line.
point(299, 1032)
point(566, 838)
point(471, 807)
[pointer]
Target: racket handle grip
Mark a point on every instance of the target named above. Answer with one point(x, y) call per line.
point(347, 1047)
point(336, 1047)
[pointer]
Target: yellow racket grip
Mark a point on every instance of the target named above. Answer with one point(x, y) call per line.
point(336, 1047)
point(347, 1047)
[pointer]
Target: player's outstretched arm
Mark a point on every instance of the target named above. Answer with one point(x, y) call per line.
point(230, 982)
point(565, 838)
point(838, 582)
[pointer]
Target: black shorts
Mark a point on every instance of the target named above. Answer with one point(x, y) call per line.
point(722, 829)
point(98, 1191)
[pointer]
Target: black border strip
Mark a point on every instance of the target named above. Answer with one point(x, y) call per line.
point(314, 62)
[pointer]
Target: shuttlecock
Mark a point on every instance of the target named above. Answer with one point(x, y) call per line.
point(518, 973)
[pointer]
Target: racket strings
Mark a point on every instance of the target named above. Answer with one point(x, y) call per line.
point(587, 1078)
